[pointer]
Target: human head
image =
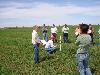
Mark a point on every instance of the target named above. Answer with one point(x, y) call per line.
point(35, 28)
point(84, 28)
point(65, 25)
point(78, 26)
point(90, 26)
point(53, 25)
point(44, 25)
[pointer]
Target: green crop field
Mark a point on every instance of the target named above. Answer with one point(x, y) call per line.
point(16, 54)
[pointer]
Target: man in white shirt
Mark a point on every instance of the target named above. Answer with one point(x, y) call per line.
point(36, 41)
point(65, 30)
point(54, 33)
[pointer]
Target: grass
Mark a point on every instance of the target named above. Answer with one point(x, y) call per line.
point(16, 54)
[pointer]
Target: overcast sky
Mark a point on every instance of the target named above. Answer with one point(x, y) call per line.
point(31, 12)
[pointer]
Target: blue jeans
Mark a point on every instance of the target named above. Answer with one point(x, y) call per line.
point(82, 60)
point(45, 36)
point(91, 34)
point(65, 37)
point(50, 50)
point(36, 53)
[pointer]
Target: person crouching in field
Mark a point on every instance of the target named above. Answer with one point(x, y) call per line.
point(45, 32)
point(36, 41)
point(65, 30)
point(49, 46)
point(99, 36)
point(54, 33)
point(83, 41)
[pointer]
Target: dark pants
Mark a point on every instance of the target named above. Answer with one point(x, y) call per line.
point(36, 53)
point(45, 36)
point(65, 37)
point(91, 34)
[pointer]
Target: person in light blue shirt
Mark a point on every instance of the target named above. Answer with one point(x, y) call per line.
point(83, 42)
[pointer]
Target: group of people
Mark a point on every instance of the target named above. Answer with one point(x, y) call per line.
point(53, 33)
point(54, 30)
point(84, 38)
point(90, 31)
point(48, 43)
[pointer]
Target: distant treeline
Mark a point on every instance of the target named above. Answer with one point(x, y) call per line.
point(34, 25)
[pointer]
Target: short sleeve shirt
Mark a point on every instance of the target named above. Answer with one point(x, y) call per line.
point(35, 35)
point(54, 30)
point(65, 30)
point(83, 41)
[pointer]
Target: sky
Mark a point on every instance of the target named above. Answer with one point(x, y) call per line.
point(31, 12)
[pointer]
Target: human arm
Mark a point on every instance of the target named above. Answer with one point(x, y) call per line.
point(62, 29)
point(77, 41)
point(67, 28)
point(36, 40)
point(56, 29)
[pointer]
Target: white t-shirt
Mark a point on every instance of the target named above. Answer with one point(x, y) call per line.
point(35, 36)
point(49, 44)
point(54, 30)
point(65, 30)
point(99, 31)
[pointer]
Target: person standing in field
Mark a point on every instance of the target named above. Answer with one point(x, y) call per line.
point(36, 41)
point(90, 32)
point(45, 32)
point(99, 36)
point(83, 41)
point(54, 33)
point(65, 30)
point(77, 31)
